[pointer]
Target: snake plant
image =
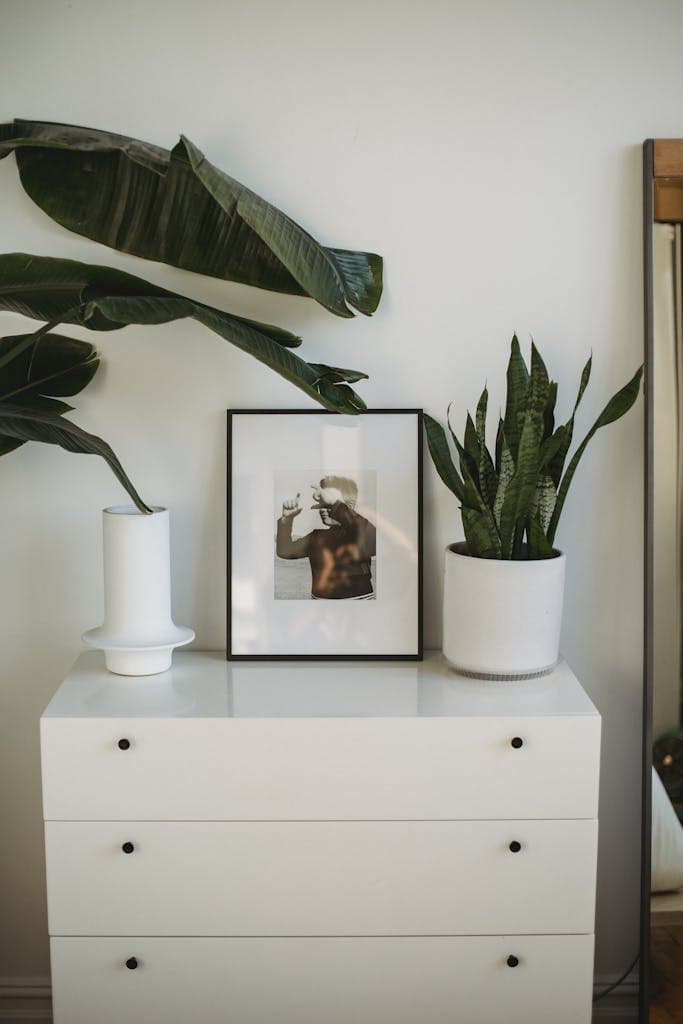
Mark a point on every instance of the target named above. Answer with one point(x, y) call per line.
point(511, 498)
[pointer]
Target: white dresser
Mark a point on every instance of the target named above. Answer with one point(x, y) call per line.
point(319, 843)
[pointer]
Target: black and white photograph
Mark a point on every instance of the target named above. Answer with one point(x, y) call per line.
point(324, 535)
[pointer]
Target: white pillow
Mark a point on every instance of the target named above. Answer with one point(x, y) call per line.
point(667, 841)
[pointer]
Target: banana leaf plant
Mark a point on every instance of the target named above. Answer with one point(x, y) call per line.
point(36, 371)
point(511, 498)
point(105, 299)
point(178, 208)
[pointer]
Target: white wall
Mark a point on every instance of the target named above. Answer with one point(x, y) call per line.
point(491, 152)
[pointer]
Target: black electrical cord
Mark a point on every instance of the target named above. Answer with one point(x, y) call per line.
point(606, 992)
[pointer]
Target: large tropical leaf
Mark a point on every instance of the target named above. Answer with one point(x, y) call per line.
point(29, 424)
point(617, 406)
point(36, 368)
point(178, 208)
point(104, 299)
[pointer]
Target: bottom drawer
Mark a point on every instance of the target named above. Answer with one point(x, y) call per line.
point(433, 980)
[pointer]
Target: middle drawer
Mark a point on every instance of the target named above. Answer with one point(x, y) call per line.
point(321, 878)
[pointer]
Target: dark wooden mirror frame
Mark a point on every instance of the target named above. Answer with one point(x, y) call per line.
point(662, 201)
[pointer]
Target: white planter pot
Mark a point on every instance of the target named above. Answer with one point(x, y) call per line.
point(138, 634)
point(502, 619)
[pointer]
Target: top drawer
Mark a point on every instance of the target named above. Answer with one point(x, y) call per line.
point(250, 769)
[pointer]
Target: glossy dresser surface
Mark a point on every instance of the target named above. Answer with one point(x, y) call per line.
point(317, 843)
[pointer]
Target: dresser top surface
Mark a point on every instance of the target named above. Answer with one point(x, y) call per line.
point(205, 685)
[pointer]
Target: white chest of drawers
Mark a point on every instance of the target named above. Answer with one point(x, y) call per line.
point(297, 843)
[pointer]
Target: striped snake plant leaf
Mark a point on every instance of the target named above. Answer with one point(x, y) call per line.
point(544, 500)
point(481, 536)
point(538, 545)
point(471, 440)
point(617, 407)
point(517, 390)
point(559, 457)
point(480, 416)
point(499, 445)
point(178, 208)
point(469, 467)
point(488, 478)
point(506, 473)
point(551, 446)
point(549, 411)
point(105, 299)
point(481, 531)
point(32, 424)
point(521, 489)
point(37, 368)
point(441, 457)
point(488, 481)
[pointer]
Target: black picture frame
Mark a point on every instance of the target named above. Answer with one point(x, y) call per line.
point(242, 425)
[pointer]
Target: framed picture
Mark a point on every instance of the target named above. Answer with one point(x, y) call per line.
point(324, 535)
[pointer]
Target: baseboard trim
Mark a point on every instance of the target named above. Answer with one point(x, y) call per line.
point(24, 1000)
point(620, 1006)
point(628, 987)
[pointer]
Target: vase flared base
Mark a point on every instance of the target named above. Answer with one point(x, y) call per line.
point(148, 660)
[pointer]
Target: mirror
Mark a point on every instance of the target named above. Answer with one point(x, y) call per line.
point(661, 989)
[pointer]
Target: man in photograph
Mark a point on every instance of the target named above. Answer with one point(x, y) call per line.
point(340, 554)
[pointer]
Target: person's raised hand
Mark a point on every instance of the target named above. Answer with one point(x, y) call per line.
point(326, 497)
point(292, 507)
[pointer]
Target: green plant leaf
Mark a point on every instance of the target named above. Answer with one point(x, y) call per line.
point(178, 208)
point(549, 411)
point(559, 456)
point(441, 456)
point(36, 366)
point(522, 487)
point(544, 500)
point(538, 545)
point(470, 474)
point(482, 406)
point(481, 535)
point(29, 424)
point(516, 399)
point(507, 471)
point(472, 443)
point(488, 477)
point(617, 407)
point(499, 445)
point(104, 299)
point(53, 365)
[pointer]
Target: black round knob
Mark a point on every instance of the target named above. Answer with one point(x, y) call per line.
point(127, 847)
point(124, 744)
point(512, 961)
point(515, 847)
point(131, 963)
point(517, 742)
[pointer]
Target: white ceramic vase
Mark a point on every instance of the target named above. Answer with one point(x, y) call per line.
point(138, 634)
point(502, 619)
